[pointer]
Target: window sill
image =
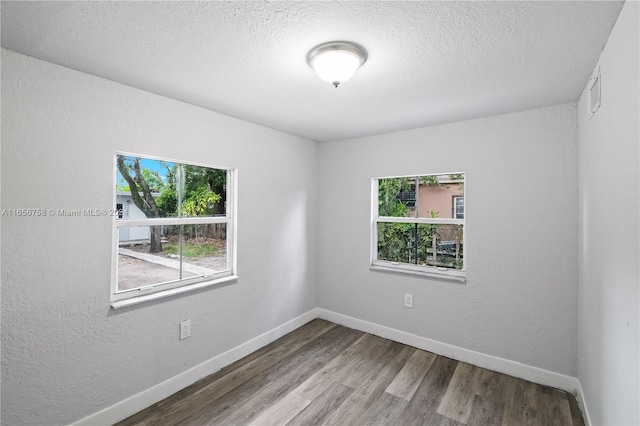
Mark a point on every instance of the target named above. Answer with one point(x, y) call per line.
point(444, 275)
point(136, 300)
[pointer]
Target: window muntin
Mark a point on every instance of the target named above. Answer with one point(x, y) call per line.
point(420, 233)
point(179, 226)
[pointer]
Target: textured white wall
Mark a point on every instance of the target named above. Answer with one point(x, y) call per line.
point(519, 301)
point(608, 338)
point(65, 354)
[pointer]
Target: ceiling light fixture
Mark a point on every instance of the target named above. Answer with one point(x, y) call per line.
point(336, 61)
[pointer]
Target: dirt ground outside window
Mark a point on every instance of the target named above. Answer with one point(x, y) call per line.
point(139, 268)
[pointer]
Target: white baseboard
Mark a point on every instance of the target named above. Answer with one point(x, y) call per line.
point(582, 403)
point(144, 399)
point(490, 362)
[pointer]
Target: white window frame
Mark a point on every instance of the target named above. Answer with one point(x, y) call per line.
point(595, 92)
point(405, 268)
point(121, 299)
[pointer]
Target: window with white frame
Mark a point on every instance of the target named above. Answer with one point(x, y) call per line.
point(458, 206)
point(424, 236)
point(175, 227)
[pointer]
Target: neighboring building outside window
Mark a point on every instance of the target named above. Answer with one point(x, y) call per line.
point(174, 230)
point(420, 234)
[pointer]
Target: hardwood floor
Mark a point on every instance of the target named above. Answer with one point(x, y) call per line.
point(323, 373)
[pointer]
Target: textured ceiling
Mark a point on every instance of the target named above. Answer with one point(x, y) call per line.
point(429, 62)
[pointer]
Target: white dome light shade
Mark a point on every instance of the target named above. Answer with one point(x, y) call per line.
point(336, 61)
point(335, 65)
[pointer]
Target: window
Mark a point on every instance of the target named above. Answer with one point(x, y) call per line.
point(422, 234)
point(458, 206)
point(177, 231)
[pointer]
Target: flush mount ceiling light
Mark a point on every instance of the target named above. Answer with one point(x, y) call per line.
point(336, 61)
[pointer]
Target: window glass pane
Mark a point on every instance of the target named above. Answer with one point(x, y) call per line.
point(421, 244)
point(142, 257)
point(205, 248)
point(146, 188)
point(447, 246)
point(435, 195)
point(396, 197)
point(204, 191)
point(150, 255)
point(396, 242)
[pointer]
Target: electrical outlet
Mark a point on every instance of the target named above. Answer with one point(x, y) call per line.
point(185, 329)
point(408, 300)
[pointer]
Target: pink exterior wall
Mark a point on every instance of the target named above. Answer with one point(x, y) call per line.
point(438, 199)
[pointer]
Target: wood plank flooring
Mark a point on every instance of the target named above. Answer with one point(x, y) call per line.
point(323, 373)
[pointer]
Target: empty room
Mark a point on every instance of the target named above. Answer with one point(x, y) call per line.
point(320, 212)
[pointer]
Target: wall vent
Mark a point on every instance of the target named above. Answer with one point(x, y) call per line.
point(594, 92)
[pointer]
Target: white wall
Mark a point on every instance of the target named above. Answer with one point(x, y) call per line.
point(65, 354)
point(608, 348)
point(519, 301)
